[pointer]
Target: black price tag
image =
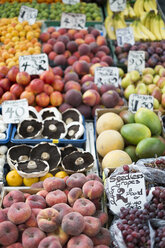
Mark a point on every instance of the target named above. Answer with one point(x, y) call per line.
point(125, 35)
point(34, 64)
point(117, 5)
point(107, 75)
point(73, 21)
point(140, 101)
point(27, 14)
point(136, 61)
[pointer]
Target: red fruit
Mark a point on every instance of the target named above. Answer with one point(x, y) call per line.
point(23, 78)
point(16, 89)
point(4, 69)
point(12, 73)
point(47, 77)
point(5, 84)
point(42, 99)
point(56, 98)
point(58, 85)
point(44, 37)
point(58, 71)
point(8, 96)
point(48, 89)
point(29, 96)
point(37, 85)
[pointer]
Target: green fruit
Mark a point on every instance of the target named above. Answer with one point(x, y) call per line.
point(135, 132)
point(149, 148)
point(127, 116)
point(131, 151)
point(150, 119)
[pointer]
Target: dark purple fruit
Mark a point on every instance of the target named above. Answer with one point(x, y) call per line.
point(110, 99)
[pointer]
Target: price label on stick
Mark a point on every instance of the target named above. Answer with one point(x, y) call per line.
point(27, 14)
point(117, 5)
point(15, 111)
point(140, 101)
point(136, 61)
point(107, 75)
point(72, 2)
point(125, 190)
point(73, 21)
point(125, 35)
point(34, 64)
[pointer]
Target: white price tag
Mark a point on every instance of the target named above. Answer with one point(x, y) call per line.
point(125, 35)
point(126, 190)
point(27, 14)
point(117, 5)
point(15, 111)
point(136, 61)
point(72, 2)
point(73, 21)
point(107, 75)
point(140, 101)
point(34, 64)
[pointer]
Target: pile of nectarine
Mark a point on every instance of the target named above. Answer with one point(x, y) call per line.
point(64, 213)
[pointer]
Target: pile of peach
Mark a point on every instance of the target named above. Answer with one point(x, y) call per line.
point(18, 39)
point(65, 213)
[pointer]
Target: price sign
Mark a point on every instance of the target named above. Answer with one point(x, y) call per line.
point(125, 35)
point(106, 75)
point(72, 2)
point(73, 21)
point(136, 61)
point(34, 64)
point(15, 111)
point(140, 101)
point(117, 5)
point(27, 14)
point(125, 190)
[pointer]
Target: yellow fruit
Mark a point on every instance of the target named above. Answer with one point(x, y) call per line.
point(109, 140)
point(46, 176)
point(29, 181)
point(61, 174)
point(115, 159)
point(109, 121)
point(13, 178)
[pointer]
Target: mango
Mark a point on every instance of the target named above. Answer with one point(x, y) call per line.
point(150, 147)
point(133, 133)
point(131, 151)
point(149, 119)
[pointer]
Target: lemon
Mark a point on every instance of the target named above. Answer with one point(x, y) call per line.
point(46, 176)
point(29, 181)
point(61, 174)
point(13, 178)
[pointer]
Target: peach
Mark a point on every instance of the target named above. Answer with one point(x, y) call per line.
point(73, 223)
point(47, 48)
point(101, 41)
point(89, 85)
point(48, 219)
point(15, 245)
point(26, 195)
point(23, 78)
point(55, 197)
point(52, 55)
point(102, 216)
point(60, 235)
point(51, 29)
point(72, 46)
point(8, 96)
point(50, 242)
point(59, 47)
point(84, 207)
point(64, 106)
point(36, 201)
point(21, 228)
point(31, 237)
point(107, 59)
point(93, 189)
point(55, 35)
point(78, 35)
point(37, 185)
point(56, 98)
point(42, 99)
point(85, 58)
point(4, 69)
point(93, 47)
point(64, 38)
point(67, 54)
point(91, 97)
point(72, 85)
point(87, 77)
point(58, 85)
point(73, 195)
point(12, 197)
point(92, 68)
point(37, 85)
point(102, 238)
point(8, 233)
point(81, 241)
point(16, 89)
point(92, 226)
point(76, 54)
point(12, 73)
point(81, 67)
point(5, 84)
point(60, 60)
point(83, 49)
point(93, 177)
point(71, 76)
point(63, 209)
point(57, 70)
point(19, 212)
point(31, 222)
point(48, 89)
point(42, 193)
point(29, 96)
point(71, 60)
point(47, 77)
point(76, 180)
point(3, 214)
point(95, 60)
point(89, 38)
point(44, 37)
point(53, 183)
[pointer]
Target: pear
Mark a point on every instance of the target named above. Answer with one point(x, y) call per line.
point(148, 70)
point(135, 76)
point(121, 73)
point(147, 79)
point(129, 90)
point(141, 89)
point(157, 93)
point(126, 81)
point(150, 88)
point(157, 68)
point(155, 79)
point(156, 103)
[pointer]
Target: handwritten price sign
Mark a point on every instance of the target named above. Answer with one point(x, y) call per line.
point(125, 35)
point(27, 14)
point(136, 61)
point(73, 21)
point(107, 75)
point(71, 2)
point(117, 5)
point(140, 101)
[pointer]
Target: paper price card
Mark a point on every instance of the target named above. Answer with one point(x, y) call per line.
point(117, 5)
point(34, 64)
point(125, 190)
point(136, 61)
point(73, 21)
point(27, 14)
point(15, 111)
point(140, 101)
point(125, 35)
point(72, 2)
point(106, 75)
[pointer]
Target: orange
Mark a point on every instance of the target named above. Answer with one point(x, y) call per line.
point(46, 176)
point(29, 181)
point(61, 174)
point(13, 178)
